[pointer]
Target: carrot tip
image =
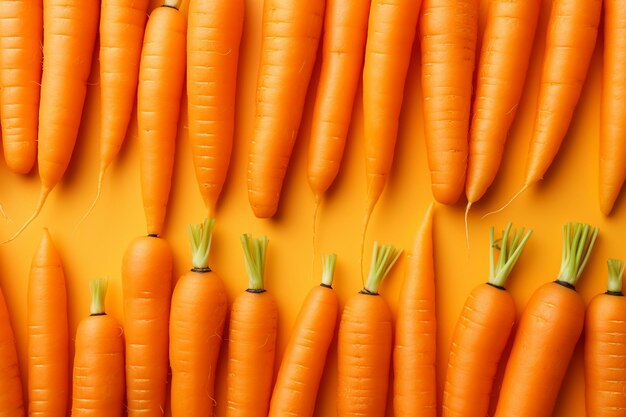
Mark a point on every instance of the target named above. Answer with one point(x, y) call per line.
point(517, 194)
point(95, 200)
point(43, 195)
point(465, 219)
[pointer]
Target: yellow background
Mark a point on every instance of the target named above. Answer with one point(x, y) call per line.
point(95, 248)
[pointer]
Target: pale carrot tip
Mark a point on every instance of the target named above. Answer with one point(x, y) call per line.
point(43, 195)
point(366, 221)
point(95, 200)
point(465, 218)
point(517, 194)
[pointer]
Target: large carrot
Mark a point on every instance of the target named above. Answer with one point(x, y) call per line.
point(197, 317)
point(98, 377)
point(548, 331)
point(252, 339)
point(146, 285)
point(48, 335)
point(213, 37)
point(448, 37)
point(289, 41)
point(482, 332)
point(414, 352)
point(11, 397)
point(161, 81)
point(21, 28)
point(300, 372)
point(365, 345)
point(605, 343)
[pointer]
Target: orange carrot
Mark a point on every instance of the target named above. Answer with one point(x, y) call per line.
point(197, 317)
point(605, 341)
point(252, 339)
point(300, 372)
point(290, 36)
point(414, 352)
point(448, 37)
point(21, 28)
point(364, 344)
point(548, 331)
point(48, 335)
point(482, 332)
point(98, 377)
point(213, 38)
point(161, 80)
point(11, 397)
point(146, 285)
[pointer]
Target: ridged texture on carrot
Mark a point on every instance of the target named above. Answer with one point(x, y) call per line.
point(11, 397)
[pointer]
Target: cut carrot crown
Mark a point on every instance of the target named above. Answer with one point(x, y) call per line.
point(254, 252)
point(98, 289)
point(578, 241)
point(328, 269)
point(616, 271)
point(510, 246)
point(200, 236)
point(383, 259)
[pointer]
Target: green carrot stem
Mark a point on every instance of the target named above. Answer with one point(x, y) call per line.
point(578, 242)
point(328, 269)
point(510, 246)
point(200, 236)
point(383, 259)
point(254, 251)
point(616, 271)
point(98, 288)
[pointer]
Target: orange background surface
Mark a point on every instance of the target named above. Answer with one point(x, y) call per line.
point(95, 248)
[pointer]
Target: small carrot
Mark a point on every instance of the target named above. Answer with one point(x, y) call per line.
point(213, 37)
point(605, 342)
point(161, 81)
point(300, 372)
point(48, 334)
point(11, 397)
point(21, 32)
point(197, 317)
point(289, 41)
point(482, 332)
point(548, 331)
point(414, 352)
point(365, 345)
point(252, 339)
point(98, 377)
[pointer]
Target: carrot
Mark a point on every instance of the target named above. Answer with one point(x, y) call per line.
point(252, 339)
point(364, 344)
point(213, 38)
point(98, 377)
point(11, 397)
point(612, 124)
point(21, 31)
point(548, 331)
point(414, 351)
point(605, 338)
point(146, 285)
point(448, 39)
point(68, 44)
point(482, 332)
point(289, 40)
point(197, 317)
point(300, 372)
point(161, 81)
point(48, 334)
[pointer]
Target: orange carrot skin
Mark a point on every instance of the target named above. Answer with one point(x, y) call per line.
point(511, 26)
point(448, 40)
point(364, 356)
point(48, 334)
point(146, 285)
point(98, 377)
point(21, 34)
point(197, 317)
point(161, 80)
point(213, 38)
point(415, 348)
point(570, 41)
point(605, 338)
point(479, 339)
point(251, 354)
point(548, 331)
point(295, 391)
point(290, 37)
point(11, 397)
point(612, 123)
point(345, 31)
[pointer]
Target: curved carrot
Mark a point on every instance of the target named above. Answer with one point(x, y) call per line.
point(48, 334)
point(98, 377)
point(290, 36)
point(197, 317)
point(213, 36)
point(605, 341)
point(252, 340)
point(548, 331)
point(21, 28)
point(11, 397)
point(482, 332)
point(161, 79)
point(300, 372)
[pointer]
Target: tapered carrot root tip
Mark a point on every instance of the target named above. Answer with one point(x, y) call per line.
point(43, 195)
point(96, 198)
point(607, 202)
point(262, 208)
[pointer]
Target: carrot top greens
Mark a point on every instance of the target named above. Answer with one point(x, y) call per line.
point(98, 289)
point(254, 252)
point(510, 246)
point(328, 269)
point(383, 259)
point(616, 271)
point(578, 242)
point(200, 236)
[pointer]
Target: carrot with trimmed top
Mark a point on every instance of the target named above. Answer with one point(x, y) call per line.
point(11, 397)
